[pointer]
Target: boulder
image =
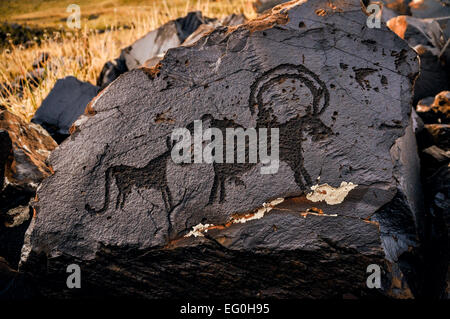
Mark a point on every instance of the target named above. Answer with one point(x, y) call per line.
point(157, 42)
point(435, 109)
point(14, 285)
point(440, 134)
point(436, 9)
point(24, 149)
point(111, 71)
point(342, 193)
point(63, 105)
point(432, 158)
point(433, 75)
point(427, 38)
point(400, 7)
point(41, 60)
point(152, 46)
point(438, 198)
point(150, 49)
point(418, 31)
point(204, 29)
point(264, 5)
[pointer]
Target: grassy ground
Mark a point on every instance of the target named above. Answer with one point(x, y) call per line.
point(82, 53)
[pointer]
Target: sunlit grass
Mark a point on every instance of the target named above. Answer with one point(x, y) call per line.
point(82, 53)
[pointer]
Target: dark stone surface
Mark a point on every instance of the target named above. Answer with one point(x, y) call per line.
point(434, 77)
point(63, 105)
point(125, 212)
point(5, 153)
point(263, 5)
point(434, 9)
point(14, 286)
point(435, 110)
point(150, 49)
point(153, 45)
point(428, 39)
point(440, 134)
point(437, 194)
point(111, 71)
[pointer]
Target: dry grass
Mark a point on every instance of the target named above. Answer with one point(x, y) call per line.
point(83, 53)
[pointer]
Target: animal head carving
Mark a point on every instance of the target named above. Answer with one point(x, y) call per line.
point(294, 88)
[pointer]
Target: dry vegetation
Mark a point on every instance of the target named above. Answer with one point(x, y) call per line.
point(82, 53)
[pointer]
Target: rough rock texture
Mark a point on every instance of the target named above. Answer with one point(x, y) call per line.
point(263, 5)
point(14, 285)
point(440, 134)
point(24, 149)
point(157, 42)
point(428, 39)
point(436, 177)
point(400, 7)
point(150, 49)
point(140, 225)
point(63, 105)
point(433, 9)
point(434, 76)
point(434, 142)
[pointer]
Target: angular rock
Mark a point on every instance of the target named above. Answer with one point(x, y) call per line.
point(435, 110)
point(13, 285)
point(41, 60)
point(233, 20)
point(433, 75)
point(24, 149)
point(400, 7)
point(63, 105)
point(150, 49)
point(432, 158)
point(7, 277)
point(264, 5)
point(346, 193)
point(111, 71)
point(427, 38)
point(440, 134)
point(441, 105)
point(16, 87)
point(152, 46)
point(433, 9)
point(418, 31)
point(438, 197)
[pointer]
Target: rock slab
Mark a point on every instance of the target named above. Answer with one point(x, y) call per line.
point(346, 193)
